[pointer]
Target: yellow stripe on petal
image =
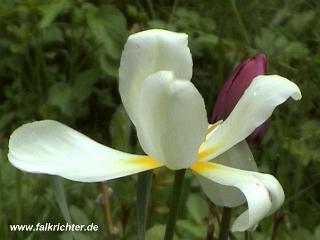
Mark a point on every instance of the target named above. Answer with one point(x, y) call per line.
point(254, 107)
point(212, 127)
point(207, 152)
point(203, 166)
point(263, 192)
point(53, 148)
point(146, 162)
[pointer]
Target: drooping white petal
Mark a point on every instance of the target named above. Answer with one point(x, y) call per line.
point(263, 192)
point(50, 147)
point(239, 156)
point(146, 53)
point(254, 107)
point(172, 120)
point(269, 182)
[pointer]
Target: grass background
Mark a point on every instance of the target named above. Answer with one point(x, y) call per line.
point(59, 60)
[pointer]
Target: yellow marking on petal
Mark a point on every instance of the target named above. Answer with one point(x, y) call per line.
point(202, 166)
point(146, 161)
point(212, 127)
point(207, 152)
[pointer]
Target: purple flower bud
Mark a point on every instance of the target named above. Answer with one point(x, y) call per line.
point(235, 86)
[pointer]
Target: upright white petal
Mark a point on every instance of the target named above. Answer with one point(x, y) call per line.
point(263, 192)
point(239, 156)
point(50, 147)
point(146, 53)
point(254, 107)
point(172, 120)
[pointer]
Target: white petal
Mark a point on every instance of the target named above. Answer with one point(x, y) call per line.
point(52, 148)
point(263, 192)
point(238, 156)
point(254, 107)
point(172, 120)
point(275, 190)
point(146, 53)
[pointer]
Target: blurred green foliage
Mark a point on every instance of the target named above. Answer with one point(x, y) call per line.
point(59, 60)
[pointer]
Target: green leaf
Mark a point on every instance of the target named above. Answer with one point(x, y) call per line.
point(52, 34)
point(301, 233)
point(317, 232)
point(305, 149)
point(60, 95)
point(197, 208)
point(156, 232)
point(120, 130)
point(51, 10)
point(5, 120)
point(70, 97)
point(80, 236)
point(107, 66)
point(300, 21)
point(296, 50)
point(197, 230)
point(108, 27)
point(78, 215)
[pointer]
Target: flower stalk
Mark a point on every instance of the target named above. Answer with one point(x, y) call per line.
point(175, 202)
point(225, 224)
point(105, 204)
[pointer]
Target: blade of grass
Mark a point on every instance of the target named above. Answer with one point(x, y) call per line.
point(143, 195)
point(19, 201)
point(3, 229)
point(58, 189)
point(242, 26)
point(151, 9)
point(43, 219)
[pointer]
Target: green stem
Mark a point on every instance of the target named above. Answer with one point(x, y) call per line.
point(175, 200)
point(105, 204)
point(247, 235)
point(143, 195)
point(243, 29)
point(225, 224)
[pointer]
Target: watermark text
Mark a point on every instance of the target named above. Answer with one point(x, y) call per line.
point(49, 227)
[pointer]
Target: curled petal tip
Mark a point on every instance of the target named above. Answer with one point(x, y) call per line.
point(263, 192)
point(297, 95)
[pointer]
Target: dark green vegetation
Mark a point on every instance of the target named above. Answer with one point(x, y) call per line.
point(59, 60)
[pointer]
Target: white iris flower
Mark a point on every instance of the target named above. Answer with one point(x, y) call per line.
point(171, 122)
